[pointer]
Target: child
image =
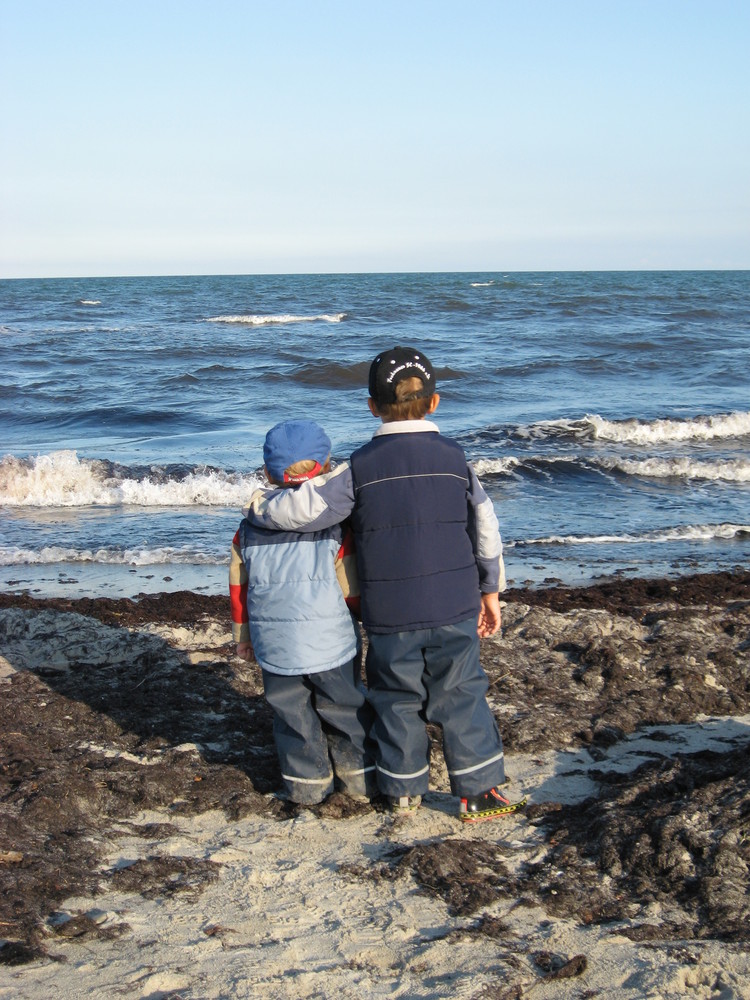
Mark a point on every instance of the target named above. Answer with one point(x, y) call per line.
point(429, 559)
point(288, 609)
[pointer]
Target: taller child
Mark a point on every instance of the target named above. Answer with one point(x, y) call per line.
point(429, 558)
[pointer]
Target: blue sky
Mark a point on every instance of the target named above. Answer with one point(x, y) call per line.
point(167, 137)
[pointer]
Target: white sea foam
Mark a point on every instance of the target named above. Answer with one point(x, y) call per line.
point(496, 466)
point(283, 318)
point(481, 284)
point(59, 479)
point(680, 533)
point(62, 479)
point(702, 428)
point(89, 302)
point(209, 488)
point(52, 554)
point(736, 470)
point(644, 432)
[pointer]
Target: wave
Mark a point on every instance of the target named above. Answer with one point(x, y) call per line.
point(455, 305)
point(219, 369)
point(331, 374)
point(735, 470)
point(281, 319)
point(593, 427)
point(62, 479)
point(186, 555)
point(110, 556)
point(481, 284)
point(89, 302)
point(681, 533)
point(497, 466)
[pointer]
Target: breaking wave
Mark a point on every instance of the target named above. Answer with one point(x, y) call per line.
point(681, 533)
point(592, 427)
point(496, 466)
point(110, 556)
point(62, 479)
point(735, 470)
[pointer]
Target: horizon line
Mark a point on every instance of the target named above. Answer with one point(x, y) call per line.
point(300, 274)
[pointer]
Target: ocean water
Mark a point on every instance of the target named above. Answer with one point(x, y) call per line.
point(607, 414)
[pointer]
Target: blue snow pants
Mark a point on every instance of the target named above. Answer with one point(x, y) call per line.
point(321, 727)
point(432, 675)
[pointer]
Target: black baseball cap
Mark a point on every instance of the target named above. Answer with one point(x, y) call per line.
point(393, 366)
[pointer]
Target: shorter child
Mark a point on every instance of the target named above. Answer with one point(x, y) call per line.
point(290, 612)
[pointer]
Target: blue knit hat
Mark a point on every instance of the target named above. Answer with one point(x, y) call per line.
point(294, 441)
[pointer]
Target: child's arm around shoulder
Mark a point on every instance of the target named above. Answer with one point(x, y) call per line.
point(312, 506)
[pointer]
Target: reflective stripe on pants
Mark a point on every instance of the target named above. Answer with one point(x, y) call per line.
point(432, 675)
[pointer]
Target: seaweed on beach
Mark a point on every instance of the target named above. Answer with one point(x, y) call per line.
point(158, 877)
point(674, 832)
point(86, 747)
point(468, 875)
point(671, 832)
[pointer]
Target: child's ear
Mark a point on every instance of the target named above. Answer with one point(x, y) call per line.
point(434, 403)
point(373, 407)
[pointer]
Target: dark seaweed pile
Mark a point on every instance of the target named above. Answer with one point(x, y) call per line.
point(675, 830)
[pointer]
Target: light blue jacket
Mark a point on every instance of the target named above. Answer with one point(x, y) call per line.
point(299, 621)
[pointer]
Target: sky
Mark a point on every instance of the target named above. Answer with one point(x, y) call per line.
point(292, 136)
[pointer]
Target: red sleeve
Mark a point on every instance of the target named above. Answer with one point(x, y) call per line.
point(346, 563)
point(238, 593)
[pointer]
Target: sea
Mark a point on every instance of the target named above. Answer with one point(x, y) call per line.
point(607, 414)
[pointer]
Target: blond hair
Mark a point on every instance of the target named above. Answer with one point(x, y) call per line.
point(299, 469)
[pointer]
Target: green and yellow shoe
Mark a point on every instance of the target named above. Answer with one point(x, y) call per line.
point(401, 805)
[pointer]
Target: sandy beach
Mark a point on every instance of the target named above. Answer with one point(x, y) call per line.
point(143, 854)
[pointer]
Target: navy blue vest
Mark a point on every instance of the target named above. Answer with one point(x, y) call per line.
point(415, 557)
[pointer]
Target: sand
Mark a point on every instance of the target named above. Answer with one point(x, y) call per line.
point(143, 854)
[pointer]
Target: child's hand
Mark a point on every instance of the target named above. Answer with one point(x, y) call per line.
point(245, 651)
point(489, 616)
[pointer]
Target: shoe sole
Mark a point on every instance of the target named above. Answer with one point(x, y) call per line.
point(487, 814)
point(406, 810)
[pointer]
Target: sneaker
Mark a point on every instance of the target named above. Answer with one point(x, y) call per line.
point(488, 805)
point(402, 804)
